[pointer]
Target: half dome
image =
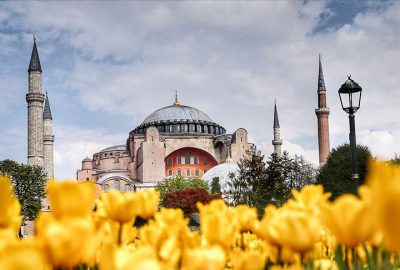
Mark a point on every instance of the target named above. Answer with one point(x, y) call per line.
point(222, 171)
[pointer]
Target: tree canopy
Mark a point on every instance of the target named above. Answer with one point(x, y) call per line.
point(215, 186)
point(29, 185)
point(169, 185)
point(335, 174)
point(259, 182)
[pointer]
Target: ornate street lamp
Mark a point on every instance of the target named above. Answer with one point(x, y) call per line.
point(350, 98)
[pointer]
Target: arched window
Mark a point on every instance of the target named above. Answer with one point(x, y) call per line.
point(187, 172)
point(117, 185)
point(187, 157)
point(179, 172)
point(197, 172)
point(169, 172)
point(106, 187)
point(169, 161)
point(128, 188)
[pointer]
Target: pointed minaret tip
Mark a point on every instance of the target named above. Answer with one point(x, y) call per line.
point(276, 119)
point(47, 110)
point(34, 64)
point(321, 81)
point(176, 103)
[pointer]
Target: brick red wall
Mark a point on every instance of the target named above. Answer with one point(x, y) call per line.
point(204, 162)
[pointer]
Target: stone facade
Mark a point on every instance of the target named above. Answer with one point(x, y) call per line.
point(35, 100)
point(175, 140)
point(48, 140)
point(322, 113)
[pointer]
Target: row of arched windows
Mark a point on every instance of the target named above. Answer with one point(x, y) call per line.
point(117, 186)
point(187, 172)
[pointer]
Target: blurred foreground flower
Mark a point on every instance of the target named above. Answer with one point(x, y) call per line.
point(384, 180)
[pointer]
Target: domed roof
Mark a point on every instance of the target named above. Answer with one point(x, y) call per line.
point(121, 147)
point(180, 119)
point(87, 159)
point(221, 171)
point(177, 112)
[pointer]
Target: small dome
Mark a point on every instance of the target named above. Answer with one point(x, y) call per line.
point(221, 171)
point(121, 147)
point(87, 159)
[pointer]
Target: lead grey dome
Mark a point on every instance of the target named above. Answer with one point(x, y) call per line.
point(180, 119)
point(180, 112)
point(121, 147)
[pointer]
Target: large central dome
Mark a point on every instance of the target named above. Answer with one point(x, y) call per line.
point(178, 119)
point(177, 113)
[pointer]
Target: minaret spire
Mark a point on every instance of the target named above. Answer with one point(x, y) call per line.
point(34, 64)
point(47, 110)
point(277, 142)
point(322, 113)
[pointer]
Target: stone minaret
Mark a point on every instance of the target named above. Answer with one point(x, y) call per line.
point(277, 142)
point(322, 113)
point(48, 139)
point(35, 100)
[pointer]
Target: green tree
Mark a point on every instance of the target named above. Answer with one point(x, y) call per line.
point(29, 186)
point(335, 174)
point(258, 183)
point(215, 186)
point(169, 185)
point(395, 160)
point(298, 172)
point(274, 188)
point(248, 184)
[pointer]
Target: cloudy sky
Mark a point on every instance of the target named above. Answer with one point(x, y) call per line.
point(107, 65)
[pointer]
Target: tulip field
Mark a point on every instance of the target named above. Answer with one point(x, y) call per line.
point(308, 232)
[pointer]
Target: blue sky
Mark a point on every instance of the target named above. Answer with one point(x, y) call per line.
point(107, 65)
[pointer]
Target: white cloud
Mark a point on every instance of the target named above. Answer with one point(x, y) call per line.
point(229, 59)
point(73, 143)
point(382, 143)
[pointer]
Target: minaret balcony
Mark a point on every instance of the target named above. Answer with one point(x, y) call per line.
point(322, 111)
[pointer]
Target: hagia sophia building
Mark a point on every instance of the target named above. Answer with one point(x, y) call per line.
point(176, 140)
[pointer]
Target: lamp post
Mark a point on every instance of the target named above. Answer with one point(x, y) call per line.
point(350, 98)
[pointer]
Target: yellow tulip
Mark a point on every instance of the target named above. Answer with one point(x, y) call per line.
point(246, 217)
point(138, 259)
point(310, 198)
point(325, 264)
point(204, 258)
point(24, 255)
point(349, 219)
point(248, 260)
point(68, 242)
point(71, 199)
point(218, 223)
point(10, 208)
point(120, 207)
point(298, 230)
point(384, 180)
point(148, 202)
